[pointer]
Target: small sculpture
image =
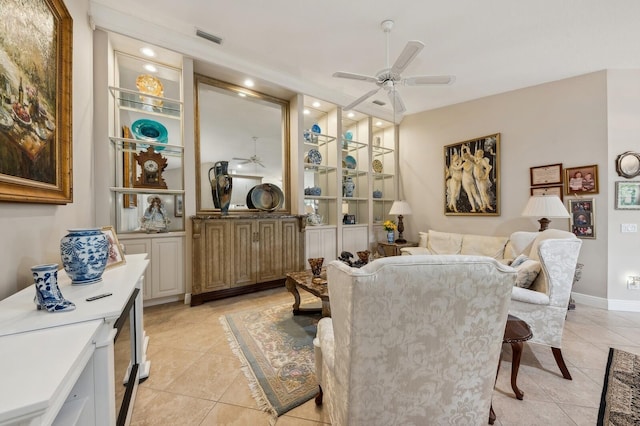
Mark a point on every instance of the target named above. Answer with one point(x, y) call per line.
point(155, 217)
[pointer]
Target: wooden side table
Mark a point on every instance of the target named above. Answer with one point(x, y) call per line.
point(393, 249)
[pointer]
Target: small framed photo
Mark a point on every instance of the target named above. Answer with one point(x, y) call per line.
point(581, 180)
point(116, 256)
point(582, 218)
point(548, 190)
point(546, 175)
point(178, 206)
point(627, 195)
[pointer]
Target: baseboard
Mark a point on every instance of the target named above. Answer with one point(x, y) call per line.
point(608, 304)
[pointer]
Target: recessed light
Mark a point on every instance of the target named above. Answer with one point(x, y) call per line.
point(378, 123)
point(316, 104)
point(306, 112)
point(239, 166)
point(147, 51)
point(242, 95)
point(351, 115)
point(249, 83)
point(150, 68)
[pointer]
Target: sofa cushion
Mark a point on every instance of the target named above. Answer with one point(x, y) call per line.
point(528, 271)
point(444, 242)
point(482, 245)
point(519, 243)
point(424, 239)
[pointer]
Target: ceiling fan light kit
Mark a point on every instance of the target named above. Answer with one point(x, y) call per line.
point(391, 76)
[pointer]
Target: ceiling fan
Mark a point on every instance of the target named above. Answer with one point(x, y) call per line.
point(390, 77)
point(254, 159)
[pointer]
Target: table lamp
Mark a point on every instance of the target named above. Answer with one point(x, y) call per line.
point(400, 208)
point(545, 206)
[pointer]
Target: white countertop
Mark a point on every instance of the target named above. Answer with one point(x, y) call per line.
point(18, 312)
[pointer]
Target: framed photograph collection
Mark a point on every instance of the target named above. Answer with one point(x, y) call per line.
point(582, 217)
point(472, 177)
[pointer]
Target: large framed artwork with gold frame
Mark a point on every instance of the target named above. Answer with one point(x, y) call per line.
point(472, 177)
point(35, 110)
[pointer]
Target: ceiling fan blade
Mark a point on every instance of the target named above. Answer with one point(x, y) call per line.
point(410, 51)
point(396, 101)
point(420, 80)
point(361, 99)
point(352, 76)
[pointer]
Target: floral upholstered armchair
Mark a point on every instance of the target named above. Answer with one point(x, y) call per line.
point(412, 340)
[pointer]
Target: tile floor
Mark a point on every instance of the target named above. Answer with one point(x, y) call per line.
point(196, 380)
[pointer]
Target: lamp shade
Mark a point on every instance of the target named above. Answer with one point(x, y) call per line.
point(544, 206)
point(345, 208)
point(400, 208)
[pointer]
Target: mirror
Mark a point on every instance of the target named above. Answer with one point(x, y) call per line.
point(247, 129)
point(628, 164)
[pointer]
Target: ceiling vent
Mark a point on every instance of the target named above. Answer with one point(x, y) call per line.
point(210, 37)
point(380, 103)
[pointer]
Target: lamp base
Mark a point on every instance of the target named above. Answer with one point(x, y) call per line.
point(544, 224)
point(401, 241)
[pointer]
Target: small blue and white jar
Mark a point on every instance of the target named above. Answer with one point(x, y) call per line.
point(84, 253)
point(48, 294)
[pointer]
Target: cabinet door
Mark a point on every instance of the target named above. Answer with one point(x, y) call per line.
point(269, 250)
point(168, 267)
point(138, 246)
point(321, 242)
point(292, 249)
point(355, 239)
point(211, 263)
point(243, 253)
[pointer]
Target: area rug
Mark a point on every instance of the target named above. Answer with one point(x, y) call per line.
point(276, 351)
point(620, 402)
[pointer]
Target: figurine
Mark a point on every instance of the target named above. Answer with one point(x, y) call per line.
point(155, 217)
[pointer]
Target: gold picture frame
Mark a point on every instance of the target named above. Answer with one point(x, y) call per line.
point(546, 175)
point(581, 180)
point(548, 190)
point(35, 79)
point(116, 255)
point(464, 194)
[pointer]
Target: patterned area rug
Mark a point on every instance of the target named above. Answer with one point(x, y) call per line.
point(620, 402)
point(276, 351)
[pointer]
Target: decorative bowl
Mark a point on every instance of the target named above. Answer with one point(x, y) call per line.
point(350, 162)
point(377, 166)
point(348, 136)
point(377, 194)
point(314, 190)
point(314, 219)
point(150, 130)
point(313, 157)
point(316, 129)
point(266, 197)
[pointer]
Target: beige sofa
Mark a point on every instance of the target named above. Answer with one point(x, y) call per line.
point(543, 303)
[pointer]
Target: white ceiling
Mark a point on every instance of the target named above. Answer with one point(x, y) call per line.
point(491, 46)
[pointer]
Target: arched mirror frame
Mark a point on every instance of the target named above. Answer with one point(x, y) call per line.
point(628, 164)
point(286, 163)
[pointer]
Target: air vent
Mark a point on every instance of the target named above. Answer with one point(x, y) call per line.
point(380, 103)
point(207, 36)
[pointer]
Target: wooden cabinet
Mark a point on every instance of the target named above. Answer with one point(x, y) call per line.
point(238, 254)
point(165, 278)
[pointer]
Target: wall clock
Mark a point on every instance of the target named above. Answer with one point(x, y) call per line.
point(151, 165)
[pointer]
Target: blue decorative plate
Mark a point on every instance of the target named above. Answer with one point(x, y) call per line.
point(348, 136)
point(266, 196)
point(350, 162)
point(150, 130)
point(314, 156)
point(316, 129)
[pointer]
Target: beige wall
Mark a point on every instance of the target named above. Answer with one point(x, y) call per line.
point(31, 233)
point(559, 122)
point(623, 88)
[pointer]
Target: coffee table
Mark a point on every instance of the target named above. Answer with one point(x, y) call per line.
point(304, 280)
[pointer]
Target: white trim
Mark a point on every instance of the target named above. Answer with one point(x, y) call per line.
point(608, 304)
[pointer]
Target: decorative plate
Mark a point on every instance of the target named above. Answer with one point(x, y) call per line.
point(267, 197)
point(348, 136)
point(149, 85)
point(149, 130)
point(316, 129)
point(350, 161)
point(377, 166)
point(314, 156)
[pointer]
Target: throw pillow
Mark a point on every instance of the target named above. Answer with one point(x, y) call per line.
point(527, 273)
point(519, 260)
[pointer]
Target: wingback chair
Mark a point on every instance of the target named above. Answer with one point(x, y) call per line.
point(412, 340)
point(544, 305)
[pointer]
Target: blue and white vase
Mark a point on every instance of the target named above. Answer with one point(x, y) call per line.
point(84, 255)
point(348, 186)
point(48, 295)
point(390, 236)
